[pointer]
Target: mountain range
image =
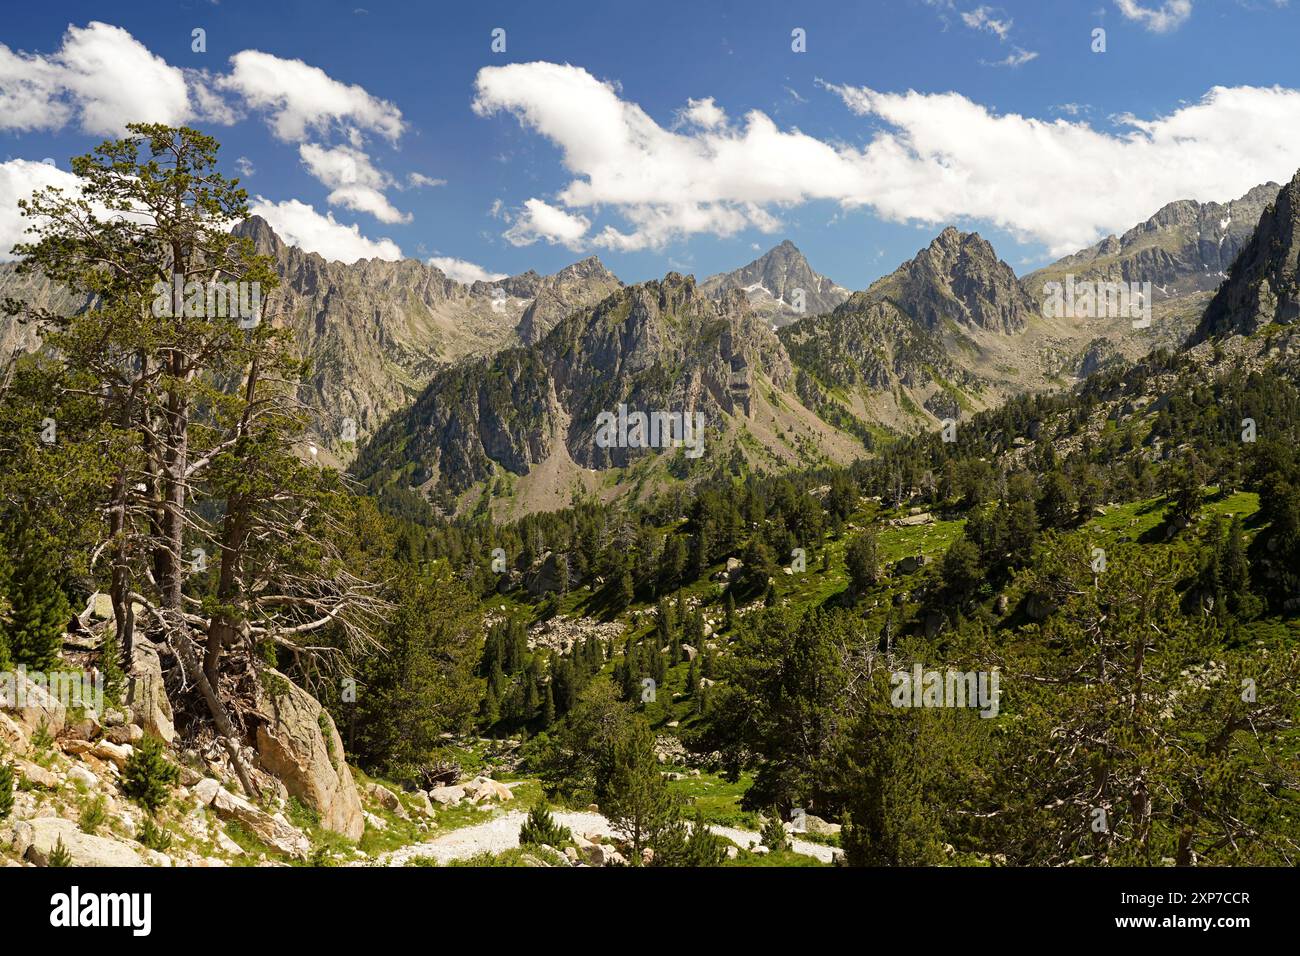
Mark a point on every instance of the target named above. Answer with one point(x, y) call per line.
point(463, 391)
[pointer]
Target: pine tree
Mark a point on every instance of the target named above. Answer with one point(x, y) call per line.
point(637, 799)
point(149, 776)
point(731, 611)
point(6, 790)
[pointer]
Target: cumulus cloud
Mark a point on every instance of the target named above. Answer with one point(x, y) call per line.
point(1170, 15)
point(300, 97)
point(540, 220)
point(933, 159)
point(461, 270)
point(297, 223)
point(353, 179)
point(101, 75)
point(19, 178)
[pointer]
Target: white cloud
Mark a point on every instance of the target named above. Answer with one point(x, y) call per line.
point(985, 18)
point(541, 220)
point(353, 179)
point(19, 178)
point(703, 113)
point(1170, 15)
point(299, 224)
point(301, 97)
point(419, 180)
point(933, 159)
point(461, 270)
point(1062, 182)
point(245, 166)
point(1018, 57)
point(101, 74)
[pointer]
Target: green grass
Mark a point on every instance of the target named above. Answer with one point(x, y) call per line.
point(717, 799)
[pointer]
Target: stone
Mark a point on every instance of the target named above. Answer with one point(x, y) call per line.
point(87, 728)
point(124, 734)
point(205, 791)
point(374, 822)
point(447, 796)
point(30, 706)
point(36, 775)
point(423, 805)
point(35, 840)
point(116, 754)
point(79, 774)
point(300, 745)
point(601, 854)
point(387, 799)
point(146, 693)
point(732, 852)
point(275, 833)
point(816, 826)
point(12, 734)
point(483, 789)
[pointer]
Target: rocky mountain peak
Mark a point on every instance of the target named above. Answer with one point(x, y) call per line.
point(957, 278)
point(777, 283)
point(1263, 285)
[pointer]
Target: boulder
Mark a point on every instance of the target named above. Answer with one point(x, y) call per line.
point(36, 775)
point(447, 796)
point(116, 754)
point(484, 789)
point(30, 706)
point(300, 745)
point(12, 734)
point(35, 840)
point(205, 791)
point(79, 774)
point(275, 833)
point(147, 696)
point(387, 799)
point(124, 734)
point(423, 805)
point(87, 728)
point(601, 854)
point(816, 826)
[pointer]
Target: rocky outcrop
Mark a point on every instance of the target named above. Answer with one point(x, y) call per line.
point(1263, 286)
point(299, 744)
point(29, 706)
point(147, 695)
point(658, 346)
point(1186, 247)
point(574, 287)
point(35, 841)
point(958, 278)
point(274, 831)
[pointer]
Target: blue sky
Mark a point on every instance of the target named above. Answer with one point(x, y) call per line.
point(684, 136)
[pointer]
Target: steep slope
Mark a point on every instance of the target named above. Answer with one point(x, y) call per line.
point(375, 331)
point(774, 283)
point(1186, 247)
point(531, 416)
point(581, 284)
point(957, 279)
point(1263, 287)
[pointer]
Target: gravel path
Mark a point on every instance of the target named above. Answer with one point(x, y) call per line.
point(502, 833)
